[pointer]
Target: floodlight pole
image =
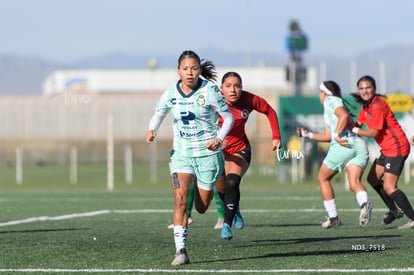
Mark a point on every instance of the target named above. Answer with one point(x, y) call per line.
point(296, 43)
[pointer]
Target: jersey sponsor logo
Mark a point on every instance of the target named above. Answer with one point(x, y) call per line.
point(189, 135)
point(244, 113)
point(201, 100)
point(173, 101)
point(186, 117)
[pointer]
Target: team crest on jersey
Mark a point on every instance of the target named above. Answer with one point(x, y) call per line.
point(244, 113)
point(201, 100)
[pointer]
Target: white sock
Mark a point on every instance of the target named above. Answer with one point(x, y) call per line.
point(180, 237)
point(330, 207)
point(361, 197)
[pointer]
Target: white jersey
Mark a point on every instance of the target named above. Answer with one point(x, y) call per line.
point(331, 120)
point(195, 116)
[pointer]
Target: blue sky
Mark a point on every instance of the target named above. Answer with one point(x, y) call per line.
point(59, 30)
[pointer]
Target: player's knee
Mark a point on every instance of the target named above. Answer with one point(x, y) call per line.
point(232, 181)
point(180, 201)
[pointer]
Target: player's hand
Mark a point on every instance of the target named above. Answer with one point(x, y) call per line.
point(302, 132)
point(151, 134)
point(412, 139)
point(276, 144)
point(342, 141)
point(214, 144)
point(224, 144)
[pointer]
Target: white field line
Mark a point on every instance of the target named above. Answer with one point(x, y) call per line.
point(150, 211)
point(244, 271)
point(56, 218)
point(102, 212)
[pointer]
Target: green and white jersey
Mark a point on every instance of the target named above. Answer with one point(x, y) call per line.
point(331, 120)
point(195, 116)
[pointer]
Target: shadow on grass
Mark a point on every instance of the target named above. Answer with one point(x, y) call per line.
point(285, 225)
point(290, 254)
point(324, 239)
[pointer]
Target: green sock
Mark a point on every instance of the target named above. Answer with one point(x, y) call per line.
point(219, 204)
point(190, 202)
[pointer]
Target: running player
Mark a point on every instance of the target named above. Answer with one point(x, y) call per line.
point(346, 151)
point(195, 104)
point(395, 148)
point(236, 147)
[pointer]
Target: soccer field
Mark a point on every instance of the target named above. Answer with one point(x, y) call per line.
point(91, 230)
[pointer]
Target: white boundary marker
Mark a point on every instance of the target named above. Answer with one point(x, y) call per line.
point(146, 211)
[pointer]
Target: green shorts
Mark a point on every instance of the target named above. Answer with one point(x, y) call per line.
point(339, 157)
point(207, 169)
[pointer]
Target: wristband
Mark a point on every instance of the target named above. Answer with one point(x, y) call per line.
point(334, 135)
point(310, 135)
point(302, 133)
point(355, 130)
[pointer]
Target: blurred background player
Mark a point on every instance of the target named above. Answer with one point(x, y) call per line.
point(395, 148)
point(346, 150)
point(195, 103)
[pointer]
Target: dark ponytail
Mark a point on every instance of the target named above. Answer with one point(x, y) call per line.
point(336, 91)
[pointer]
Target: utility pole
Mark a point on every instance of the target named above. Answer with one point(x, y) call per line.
point(296, 44)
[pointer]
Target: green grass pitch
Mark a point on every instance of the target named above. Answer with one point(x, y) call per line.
point(48, 225)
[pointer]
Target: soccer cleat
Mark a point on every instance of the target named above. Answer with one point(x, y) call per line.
point(189, 221)
point(226, 232)
point(331, 223)
point(219, 224)
point(392, 215)
point(408, 225)
point(365, 214)
point(181, 257)
point(238, 220)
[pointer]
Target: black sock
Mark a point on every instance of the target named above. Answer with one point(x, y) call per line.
point(389, 202)
point(402, 201)
point(232, 197)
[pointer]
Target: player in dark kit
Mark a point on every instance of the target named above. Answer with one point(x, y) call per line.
point(236, 147)
point(395, 148)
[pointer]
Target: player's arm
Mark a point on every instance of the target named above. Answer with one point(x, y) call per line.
point(228, 120)
point(219, 104)
point(262, 106)
point(160, 113)
point(154, 125)
point(376, 122)
point(322, 137)
point(364, 132)
point(343, 118)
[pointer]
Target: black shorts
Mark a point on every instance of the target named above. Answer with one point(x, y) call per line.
point(246, 153)
point(393, 165)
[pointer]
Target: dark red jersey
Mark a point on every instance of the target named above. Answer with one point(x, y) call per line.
point(391, 137)
point(237, 139)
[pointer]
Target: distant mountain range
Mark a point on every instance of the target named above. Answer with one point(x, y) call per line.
point(21, 75)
